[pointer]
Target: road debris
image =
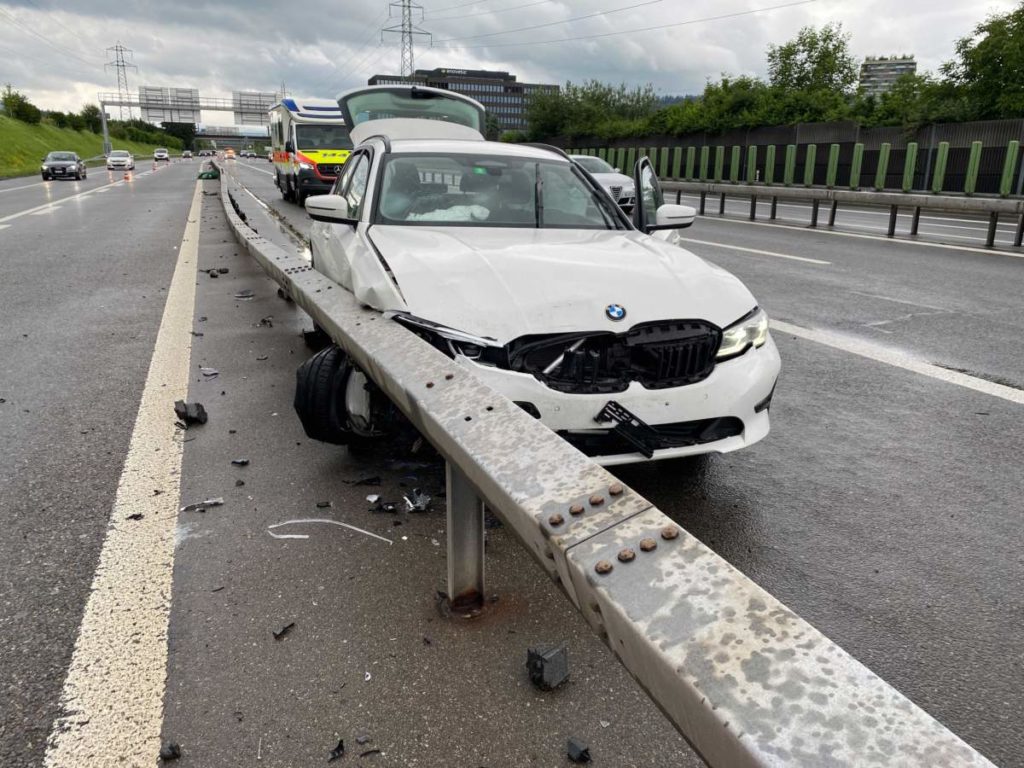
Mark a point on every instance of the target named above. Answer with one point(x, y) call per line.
point(239, 483)
point(363, 739)
point(374, 480)
point(196, 333)
point(190, 413)
point(283, 630)
point(170, 751)
point(134, 516)
point(212, 273)
point(369, 752)
point(604, 723)
point(245, 294)
point(302, 521)
point(222, 270)
point(337, 752)
point(263, 357)
point(387, 507)
point(202, 506)
point(240, 462)
point(578, 751)
point(209, 372)
point(548, 666)
point(417, 501)
point(323, 504)
point(217, 589)
point(266, 322)
point(367, 677)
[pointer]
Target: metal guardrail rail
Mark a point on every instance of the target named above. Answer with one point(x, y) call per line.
point(992, 206)
point(744, 679)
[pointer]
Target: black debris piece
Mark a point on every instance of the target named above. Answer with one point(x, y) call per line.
point(217, 589)
point(363, 739)
point(190, 413)
point(222, 270)
point(363, 481)
point(209, 372)
point(280, 633)
point(240, 462)
point(337, 752)
point(170, 751)
point(263, 357)
point(239, 483)
point(157, 491)
point(266, 322)
point(232, 431)
point(212, 273)
point(417, 501)
point(369, 752)
point(323, 504)
point(246, 294)
point(134, 516)
point(202, 506)
point(427, 640)
point(379, 505)
point(202, 319)
point(316, 339)
point(196, 333)
point(578, 751)
point(548, 666)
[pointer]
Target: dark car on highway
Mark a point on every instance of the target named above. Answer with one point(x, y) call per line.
point(63, 165)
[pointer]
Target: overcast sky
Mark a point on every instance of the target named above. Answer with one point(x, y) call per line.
point(54, 50)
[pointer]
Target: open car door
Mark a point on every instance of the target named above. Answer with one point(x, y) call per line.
point(650, 213)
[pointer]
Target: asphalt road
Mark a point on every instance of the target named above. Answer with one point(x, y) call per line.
point(884, 507)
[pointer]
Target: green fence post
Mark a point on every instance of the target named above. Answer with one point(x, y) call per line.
point(734, 164)
point(621, 160)
point(939, 174)
point(677, 161)
point(691, 161)
point(809, 159)
point(855, 166)
point(769, 165)
point(603, 153)
point(1009, 166)
point(655, 156)
point(705, 154)
point(790, 169)
point(833, 166)
point(719, 162)
point(973, 163)
point(910, 166)
point(663, 162)
point(751, 164)
point(883, 165)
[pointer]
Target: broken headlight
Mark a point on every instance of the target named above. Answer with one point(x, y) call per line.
point(749, 331)
point(454, 342)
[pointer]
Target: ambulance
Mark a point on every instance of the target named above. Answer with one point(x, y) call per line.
point(310, 145)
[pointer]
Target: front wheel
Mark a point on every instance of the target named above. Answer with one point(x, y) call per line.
point(85, 174)
point(45, 177)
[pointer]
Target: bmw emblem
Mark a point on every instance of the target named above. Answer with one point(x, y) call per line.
point(615, 312)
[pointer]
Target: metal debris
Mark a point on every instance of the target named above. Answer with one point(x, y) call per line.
point(367, 677)
point(209, 372)
point(212, 273)
point(578, 751)
point(222, 270)
point(266, 322)
point(263, 357)
point(417, 501)
point(246, 294)
point(202, 506)
point(369, 752)
point(134, 516)
point(548, 667)
point(170, 751)
point(284, 630)
point(323, 504)
point(363, 739)
point(190, 413)
point(337, 752)
point(387, 507)
point(240, 462)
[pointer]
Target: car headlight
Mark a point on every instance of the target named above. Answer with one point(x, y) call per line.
point(451, 341)
point(306, 166)
point(749, 331)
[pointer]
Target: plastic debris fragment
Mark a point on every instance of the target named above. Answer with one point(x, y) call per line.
point(548, 666)
point(337, 752)
point(417, 501)
point(190, 413)
point(280, 633)
point(202, 506)
point(578, 751)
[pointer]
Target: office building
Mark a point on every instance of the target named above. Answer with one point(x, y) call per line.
point(878, 74)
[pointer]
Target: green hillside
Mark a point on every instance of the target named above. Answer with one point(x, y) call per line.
point(23, 145)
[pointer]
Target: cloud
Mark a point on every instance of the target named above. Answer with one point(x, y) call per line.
point(321, 47)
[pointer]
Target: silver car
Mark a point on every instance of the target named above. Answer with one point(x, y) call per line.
point(161, 154)
point(120, 160)
point(617, 184)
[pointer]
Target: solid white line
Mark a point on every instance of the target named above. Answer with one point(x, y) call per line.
point(753, 250)
point(900, 360)
point(894, 240)
point(258, 170)
point(898, 301)
point(54, 203)
point(26, 186)
point(112, 702)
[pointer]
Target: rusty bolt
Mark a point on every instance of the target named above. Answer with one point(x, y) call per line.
point(603, 567)
point(596, 500)
point(556, 519)
point(626, 555)
point(615, 489)
point(648, 544)
point(576, 509)
point(669, 532)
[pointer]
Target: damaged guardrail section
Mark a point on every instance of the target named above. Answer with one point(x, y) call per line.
point(746, 681)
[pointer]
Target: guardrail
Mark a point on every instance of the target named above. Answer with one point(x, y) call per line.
point(993, 207)
point(744, 679)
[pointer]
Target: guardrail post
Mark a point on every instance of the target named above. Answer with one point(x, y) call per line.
point(1018, 237)
point(790, 170)
point(465, 543)
point(753, 207)
point(832, 213)
point(719, 161)
point(939, 174)
point(814, 212)
point(751, 164)
point(915, 220)
point(769, 164)
point(858, 160)
point(810, 157)
point(691, 157)
point(893, 210)
point(833, 165)
point(775, 205)
point(721, 204)
point(1009, 164)
point(973, 164)
point(677, 161)
point(705, 154)
point(663, 162)
point(993, 222)
point(703, 201)
point(734, 164)
point(910, 166)
point(883, 166)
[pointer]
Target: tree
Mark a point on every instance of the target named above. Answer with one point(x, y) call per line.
point(184, 131)
point(91, 117)
point(989, 67)
point(815, 60)
point(492, 128)
point(592, 108)
point(19, 107)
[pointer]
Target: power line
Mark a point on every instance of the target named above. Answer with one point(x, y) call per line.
point(554, 23)
point(487, 13)
point(48, 41)
point(463, 5)
point(639, 29)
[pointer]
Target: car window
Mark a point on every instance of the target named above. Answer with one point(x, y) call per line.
point(489, 191)
point(594, 164)
point(119, 153)
point(355, 192)
point(61, 156)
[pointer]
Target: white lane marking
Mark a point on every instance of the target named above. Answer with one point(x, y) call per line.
point(25, 186)
point(893, 240)
point(753, 250)
point(45, 212)
point(258, 170)
point(112, 701)
point(900, 360)
point(270, 528)
point(54, 203)
point(5, 226)
point(898, 301)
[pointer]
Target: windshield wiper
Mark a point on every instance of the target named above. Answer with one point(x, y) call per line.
point(539, 193)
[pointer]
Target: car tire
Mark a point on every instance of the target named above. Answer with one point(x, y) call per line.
point(78, 175)
point(300, 198)
point(85, 174)
point(320, 396)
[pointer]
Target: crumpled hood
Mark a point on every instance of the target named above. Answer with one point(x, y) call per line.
point(505, 283)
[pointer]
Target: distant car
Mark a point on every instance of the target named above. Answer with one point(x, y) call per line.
point(62, 165)
point(229, 154)
point(617, 184)
point(161, 154)
point(186, 155)
point(120, 160)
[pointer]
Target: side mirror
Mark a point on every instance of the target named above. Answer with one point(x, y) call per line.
point(618, 170)
point(289, 146)
point(332, 209)
point(671, 216)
